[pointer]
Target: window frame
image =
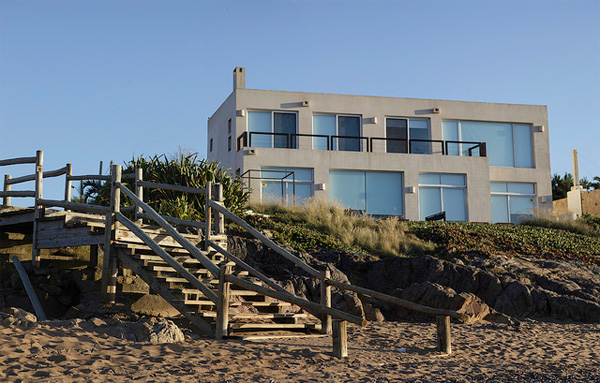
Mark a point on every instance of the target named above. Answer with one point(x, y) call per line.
point(442, 187)
point(408, 138)
point(513, 194)
point(514, 140)
point(334, 146)
point(286, 181)
point(272, 136)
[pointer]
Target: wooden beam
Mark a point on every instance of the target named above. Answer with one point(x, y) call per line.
point(16, 161)
point(287, 297)
point(396, 301)
point(95, 177)
point(31, 177)
point(94, 209)
point(340, 338)
point(7, 188)
point(176, 221)
point(223, 303)
point(325, 301)
point(38, 210)
point(185, 189)
point(287, 255)
point(39, 311)
point(443, 334)
point(16, 193)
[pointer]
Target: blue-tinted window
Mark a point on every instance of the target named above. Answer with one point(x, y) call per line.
point(287, 186)
point(323, 125)
point(376, 193)
point(442, 193)
point(272, 129)
point(512, 201)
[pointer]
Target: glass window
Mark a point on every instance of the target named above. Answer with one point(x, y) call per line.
point(443, 193)
point(337, 125)
point(507, 144)
point(396, 129)
point(523, 146)
point(348, 188)
point(405, 129)
point(281, 187)
point(324, 125)
point(264, 123)
point(375, 193)
point(512, 201)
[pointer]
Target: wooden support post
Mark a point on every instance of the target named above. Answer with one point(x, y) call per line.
point(325, 301)
point(219, 217)
point(35, 302)
point(223, 303)
point(91, 269)
point(443, 334)
point(208, 214)
point(112, 282)
point(110, 225)
point(139, 192)
point(68, 182)
point(7, 188)
point(38, 210)
point(340, 338)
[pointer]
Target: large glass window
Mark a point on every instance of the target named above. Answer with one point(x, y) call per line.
point(400, 130)
point(337, 125)
point(287, 186)
point(272, 129)
point(512, 201)
point(443, 192)
point(375, 193)
point(507, 144)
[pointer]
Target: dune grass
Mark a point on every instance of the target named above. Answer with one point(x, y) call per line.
point(323, 225)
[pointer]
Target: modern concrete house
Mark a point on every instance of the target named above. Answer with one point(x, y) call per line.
point(412, 158)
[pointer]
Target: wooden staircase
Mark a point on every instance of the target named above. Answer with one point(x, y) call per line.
point(248, 310)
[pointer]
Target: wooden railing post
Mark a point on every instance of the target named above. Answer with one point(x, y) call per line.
point(340, 338)
point(223, 303)
point(68, 183)
point(139, 192)
point(7, 188)
point(208, 214)
point(219, 217)
point(443, 334)
point(108, 266)
point(325, 301)
point(38, 210)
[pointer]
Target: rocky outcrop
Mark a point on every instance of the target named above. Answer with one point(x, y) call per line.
point(520, 287)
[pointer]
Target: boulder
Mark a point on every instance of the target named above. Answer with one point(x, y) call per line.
point(153, 330)
point(16, 317)
point(154, 305)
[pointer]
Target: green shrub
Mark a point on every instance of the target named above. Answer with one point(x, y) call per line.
point(586, 225)
point(181, 169)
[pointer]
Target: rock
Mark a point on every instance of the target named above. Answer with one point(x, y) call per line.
point(372, 314)
point(161, 330)
point(16, 317)
point(15, 281)
point(154, 305)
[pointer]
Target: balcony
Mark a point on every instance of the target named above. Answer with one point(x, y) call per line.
point(360, 144)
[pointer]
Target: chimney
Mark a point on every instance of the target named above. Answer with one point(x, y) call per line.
point(239, 78)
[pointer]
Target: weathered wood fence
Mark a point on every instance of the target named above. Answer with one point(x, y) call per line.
point(213, 230)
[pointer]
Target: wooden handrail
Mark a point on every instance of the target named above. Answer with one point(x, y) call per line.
point(176, 221)
point(396, 301)
point(17, 193)
point(185, 189)
point(287, 255)
point(17, 161)
point(74, 206)
point(166, 257)
point(85, 177)
point(31, 177)
point(152, 214)
point(297, 301)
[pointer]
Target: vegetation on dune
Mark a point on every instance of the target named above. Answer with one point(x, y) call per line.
point(179, 169)
point(323, 225)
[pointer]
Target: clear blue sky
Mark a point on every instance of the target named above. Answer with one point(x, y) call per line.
point(87, 81)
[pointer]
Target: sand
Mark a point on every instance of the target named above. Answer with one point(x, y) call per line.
point(385, 352)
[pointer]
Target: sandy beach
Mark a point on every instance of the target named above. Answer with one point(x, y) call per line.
point(381, 352)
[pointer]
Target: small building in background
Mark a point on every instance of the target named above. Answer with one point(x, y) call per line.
point(386, 156)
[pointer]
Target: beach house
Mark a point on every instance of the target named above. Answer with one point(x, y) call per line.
point(386, 156)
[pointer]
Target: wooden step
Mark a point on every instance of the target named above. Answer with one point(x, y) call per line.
point(275, 326)
point(257, 316)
